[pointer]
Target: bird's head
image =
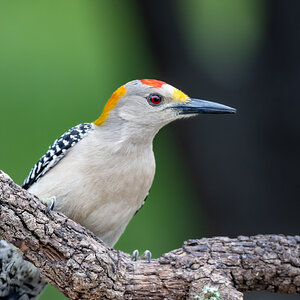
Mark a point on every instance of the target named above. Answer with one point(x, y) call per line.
point(152, 103)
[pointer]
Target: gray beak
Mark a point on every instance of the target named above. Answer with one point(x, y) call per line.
point(197, 106)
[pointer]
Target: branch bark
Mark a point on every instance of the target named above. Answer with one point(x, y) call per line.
point(81, 266)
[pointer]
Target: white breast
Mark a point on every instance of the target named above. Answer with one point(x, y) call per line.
point(100, 184)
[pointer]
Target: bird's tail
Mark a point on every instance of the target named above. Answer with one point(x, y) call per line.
point(19, 279)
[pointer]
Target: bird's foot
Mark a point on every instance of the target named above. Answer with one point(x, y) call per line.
point(49, 202)
point(135, 255)
point(147, 255)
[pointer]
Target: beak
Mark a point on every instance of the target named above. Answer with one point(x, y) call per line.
point(197, 106)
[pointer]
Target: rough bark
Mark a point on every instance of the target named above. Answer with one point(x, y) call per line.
point(81, 266)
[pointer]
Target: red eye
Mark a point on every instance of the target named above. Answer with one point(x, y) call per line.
point(154, 99)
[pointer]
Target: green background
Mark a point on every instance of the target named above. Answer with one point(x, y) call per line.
point(60, 62)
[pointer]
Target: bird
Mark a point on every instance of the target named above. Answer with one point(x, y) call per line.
point(100, 173)
point(19, 279)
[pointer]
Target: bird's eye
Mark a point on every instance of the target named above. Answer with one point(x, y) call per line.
point(155, 99)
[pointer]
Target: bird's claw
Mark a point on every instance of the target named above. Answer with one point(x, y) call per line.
point(147, 255)
point(49, 202)
point(135, 255)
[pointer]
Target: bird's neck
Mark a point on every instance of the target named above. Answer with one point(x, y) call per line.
point(127, 133)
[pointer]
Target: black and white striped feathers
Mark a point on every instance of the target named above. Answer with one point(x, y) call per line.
point(19, 279)
point(56, 152)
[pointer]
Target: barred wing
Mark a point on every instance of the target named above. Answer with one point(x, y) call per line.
point(56, 152)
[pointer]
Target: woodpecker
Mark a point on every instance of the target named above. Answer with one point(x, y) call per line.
point(100, 173)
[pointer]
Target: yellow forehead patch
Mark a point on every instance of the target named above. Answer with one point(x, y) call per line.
point(111, 104)
point(179, 96)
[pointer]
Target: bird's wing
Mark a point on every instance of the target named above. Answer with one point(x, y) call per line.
point(56, 152)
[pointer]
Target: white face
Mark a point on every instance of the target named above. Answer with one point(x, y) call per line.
point(150, 106)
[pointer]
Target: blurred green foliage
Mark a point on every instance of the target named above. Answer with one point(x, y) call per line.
point(60, 61)
point(222, 35)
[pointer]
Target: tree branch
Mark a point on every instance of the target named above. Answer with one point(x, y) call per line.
point(81, 266)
